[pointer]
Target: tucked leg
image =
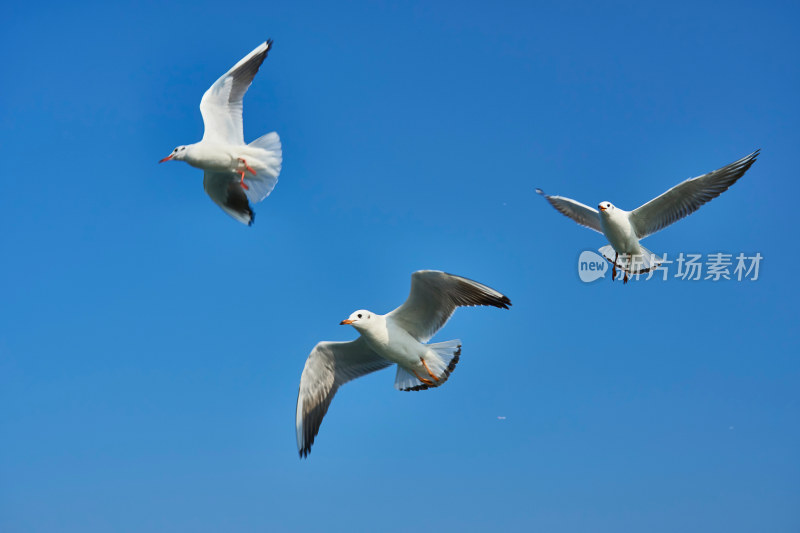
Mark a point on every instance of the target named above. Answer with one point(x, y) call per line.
point(614, 267)
point(241, 173)
point(241, 181)
point(425, 381)
point(247, 167)
point(431, 374)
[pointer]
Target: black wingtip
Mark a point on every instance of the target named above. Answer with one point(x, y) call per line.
point(747, 161)
point(751, 158)
point(501, 302)
point(305, 450)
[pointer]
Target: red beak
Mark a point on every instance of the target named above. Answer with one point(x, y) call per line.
point(343, 322)
point(166, 158)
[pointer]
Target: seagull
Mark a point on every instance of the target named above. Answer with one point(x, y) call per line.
point(235, 172)
point(624, 229)
point(398, 337)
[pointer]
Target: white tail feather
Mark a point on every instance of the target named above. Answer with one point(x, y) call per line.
point(441, 363)
point(265, 156)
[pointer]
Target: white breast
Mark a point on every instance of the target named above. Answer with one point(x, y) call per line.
point(213, 157)
point(392, 342)
point(619, 231)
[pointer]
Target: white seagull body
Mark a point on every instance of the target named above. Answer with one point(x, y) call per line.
point(398, 337)
point(624, 229)
point(235, 172)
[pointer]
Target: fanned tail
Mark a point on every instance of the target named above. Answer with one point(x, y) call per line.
point(265, 156)
point(441, 364)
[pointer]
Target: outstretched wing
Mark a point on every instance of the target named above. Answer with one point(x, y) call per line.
point(580, 213)
point(221, 105)
point(226, 191)
point(329, 366)
point(433, 298)
point(687, 197)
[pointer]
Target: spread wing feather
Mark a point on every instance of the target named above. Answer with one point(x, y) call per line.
point(329, 366)
point(580, 213)
point(687, 197)
point(434, 297)
point(225, 190)
point(221, 105)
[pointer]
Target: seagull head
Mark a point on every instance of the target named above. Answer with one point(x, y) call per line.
point(178, 154)
point(360, 319)
point(606, 207)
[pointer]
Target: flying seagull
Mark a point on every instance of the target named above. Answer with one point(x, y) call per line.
point(624, 229)
point(235, 173)
point(397, 337)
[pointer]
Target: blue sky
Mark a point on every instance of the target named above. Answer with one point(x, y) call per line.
point(151, 347)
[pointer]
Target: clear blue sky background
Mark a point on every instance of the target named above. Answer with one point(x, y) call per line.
point(151, 347)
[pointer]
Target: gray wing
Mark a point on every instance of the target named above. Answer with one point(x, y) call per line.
point(580, 213)
point(433, 298)
point(225, 190)
point(329, 366)
point(221, 105)
point(687, 197)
